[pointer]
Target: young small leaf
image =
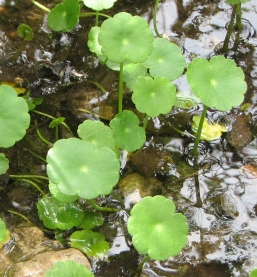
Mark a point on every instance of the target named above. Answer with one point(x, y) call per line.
point(89, 242)
point(25, 32)
point(56, 214)
point(99, 5)
point(156, 229)
point(219, 83)
point(64, 16)
point(154, 96)
point(126, 38)
point(166, 60)
point(55, 122)
point(14, 117)
point(79, 168)
point(127, 132)
point(4, 163)
point(209, 132)
point(68, 268)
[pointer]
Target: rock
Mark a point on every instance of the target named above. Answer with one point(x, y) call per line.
point(32, 254)
point(39, 264)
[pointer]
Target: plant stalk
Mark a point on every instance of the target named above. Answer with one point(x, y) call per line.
point(93, 13)
point(17, 53)
point(102, 209)
point(230, 30)
point(199, 131)
point(239, 25)
point(36, 155)
point(42, 7)
point(41, 137)
point(33, 184)
point(120, 88)
point(140, 266)
point(145, 121)
point(154, 18)
point(28, 176)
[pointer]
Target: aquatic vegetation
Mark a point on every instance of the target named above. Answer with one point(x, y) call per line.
point(253, 273)
point(158, 232)
point(219, 84)
point(68, 268)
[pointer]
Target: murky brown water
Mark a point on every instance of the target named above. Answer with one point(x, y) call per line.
point(219, 200)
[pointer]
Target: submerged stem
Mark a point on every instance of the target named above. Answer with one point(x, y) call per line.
point(102, 209)
point(42, 7)
point(154, 18)
point(29, 176)
point(145, 121)
point(40, 135)
point(120, 88)
point(199, 131)
point(33, 184)
point(140, 266)
point(229, 31)
point(239, 25)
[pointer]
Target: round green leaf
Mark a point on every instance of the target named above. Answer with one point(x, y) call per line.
point(4, 163)
point(68, 268)
point(166, 60)
point(64, 16)
point(97, 133)
point(154, 96)
point(156, 229)
point(79, 168)
point(25, 32)
point(92, 43)
point(99, 5)
point(253, 273)
point(126, 38)
point(14, 117)
point(127, 132)
point(2, 230)
point(89, 242)
point(91, 220)
point(219, 83)
point(53, 188)
point(57, 214)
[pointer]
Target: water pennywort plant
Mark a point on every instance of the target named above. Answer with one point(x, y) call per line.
point(219, 83)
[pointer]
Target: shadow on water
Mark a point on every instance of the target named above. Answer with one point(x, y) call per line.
point(218, 197)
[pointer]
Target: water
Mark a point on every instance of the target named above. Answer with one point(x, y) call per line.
point(218, 199)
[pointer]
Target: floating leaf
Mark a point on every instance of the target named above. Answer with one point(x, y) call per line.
point(219, 83)
point(25, 32)
point(55, 122)
point(2, 230)
point(126, 38)
point(91, 220)
point(14, 117)
point(68, 268)
point(92, 42)
point(156, 229)
point(53, 188)
point(97, 133)
point(79, 168)
point(132, 72)
point(58, 214)
point(99, 5)
point(127, 132)
point(166, 60)
point(253, 273)
point(154, 96)
point(64, 16)
point(4, 163)
point(89, 242)
point(209, 132)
